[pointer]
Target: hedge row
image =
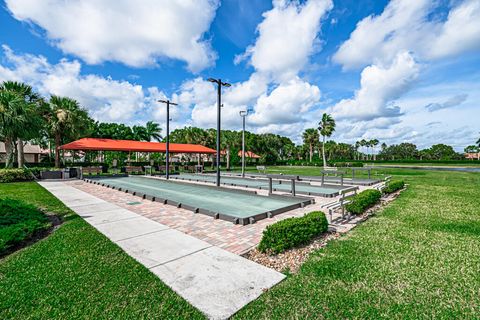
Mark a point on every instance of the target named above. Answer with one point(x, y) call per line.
point(19, 221)
point(363, 201)
point(12, 175)
point(393, 186)
point(292, 232)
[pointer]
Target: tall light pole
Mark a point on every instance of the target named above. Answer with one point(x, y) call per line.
point(167, 152)
point(219, 105)
point(243, 114)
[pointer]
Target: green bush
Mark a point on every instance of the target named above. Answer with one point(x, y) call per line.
point(393, 186)
point(12, 175)
point(363, 201)
point(19, 221)
point(292, 232)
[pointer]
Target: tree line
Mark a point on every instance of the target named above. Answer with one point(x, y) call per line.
point(26, 116)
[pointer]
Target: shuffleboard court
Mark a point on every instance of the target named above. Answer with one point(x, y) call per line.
point(259, 183)
point(238, 206)
point(330, 180)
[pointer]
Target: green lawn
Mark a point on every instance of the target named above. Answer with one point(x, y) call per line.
point(78, 273)
point(419, 258)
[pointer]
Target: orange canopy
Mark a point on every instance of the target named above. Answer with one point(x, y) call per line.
point(135, 146)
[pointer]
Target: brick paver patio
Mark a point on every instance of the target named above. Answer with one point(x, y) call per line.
point(226, 235)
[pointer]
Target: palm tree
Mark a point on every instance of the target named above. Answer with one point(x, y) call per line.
point(153, 131)
point(357, 145)
point(326, 127)
point(373, 144)
point(364, 143)
point(66, 120)
point(30, 98)
point(12, 121)
point(310, 137)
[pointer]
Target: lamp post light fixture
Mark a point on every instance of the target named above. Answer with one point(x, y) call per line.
point(243, 114)
point(219, 105)
point(167, 152)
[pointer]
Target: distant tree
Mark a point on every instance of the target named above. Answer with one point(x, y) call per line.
point(326, 126)
point(441, 152)
point(310, 138)
point(12, 122)
point(32, 120)
point(373, 144)
point(153, 131)
point(357, 145)
point(364, 143)
point(471, 149)
point(67, 121)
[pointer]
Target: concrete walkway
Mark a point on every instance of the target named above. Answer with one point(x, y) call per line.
point(215, 281)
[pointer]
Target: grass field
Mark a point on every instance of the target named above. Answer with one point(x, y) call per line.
point(77, 273)
point(419, 258)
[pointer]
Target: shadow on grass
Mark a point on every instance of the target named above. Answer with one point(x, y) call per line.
point(468, 228)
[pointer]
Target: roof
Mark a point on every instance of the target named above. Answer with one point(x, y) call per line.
point(27, 149)
point(131, 145)
point(249, 154)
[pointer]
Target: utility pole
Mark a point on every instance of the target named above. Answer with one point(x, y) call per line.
point(167, 153)
point(219, 105)
point(243, 114)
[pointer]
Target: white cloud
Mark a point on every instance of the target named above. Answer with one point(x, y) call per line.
point(451, 102)
point(105, 98)
point(125, 31)
point(286, 38)
point(379, 87)
point(286, 104)
point(409, 26)
point(460, 33)
point(247, 92)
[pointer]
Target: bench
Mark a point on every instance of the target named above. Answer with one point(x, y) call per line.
point(382, 185)
point(133, 169)
point(91, 170)
point(262, 169)
point(345, 198)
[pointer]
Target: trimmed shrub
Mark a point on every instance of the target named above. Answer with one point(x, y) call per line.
point(12, 175)
point(19, 221)
point(363, 201)
point(393, 186)
point(291, 232)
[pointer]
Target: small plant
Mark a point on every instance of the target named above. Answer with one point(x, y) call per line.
point(363, 201)
point(19, 221)
point(292, 232)
point(393, 186)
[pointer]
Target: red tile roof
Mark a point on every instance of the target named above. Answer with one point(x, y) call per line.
point(131, 145)
point(249, 154)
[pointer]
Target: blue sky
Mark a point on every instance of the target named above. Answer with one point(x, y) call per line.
point(392, 70)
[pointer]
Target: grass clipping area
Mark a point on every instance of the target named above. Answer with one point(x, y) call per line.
point(77, 273)
point(418, 258)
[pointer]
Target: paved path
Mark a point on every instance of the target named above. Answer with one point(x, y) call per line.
point(215, 281)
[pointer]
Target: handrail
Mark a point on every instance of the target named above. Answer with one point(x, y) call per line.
point(33, 176)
